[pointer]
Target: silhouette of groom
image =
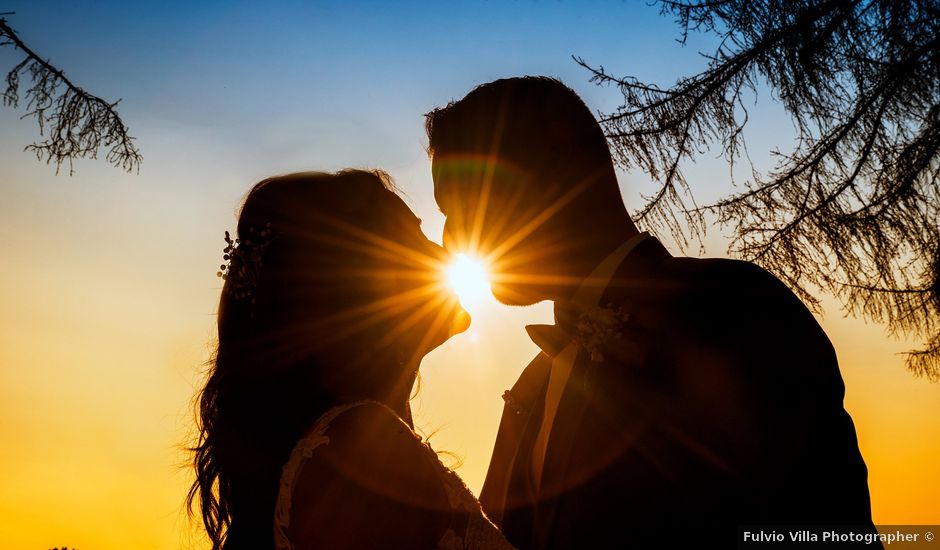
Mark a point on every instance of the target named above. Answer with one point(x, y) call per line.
point(676, 399)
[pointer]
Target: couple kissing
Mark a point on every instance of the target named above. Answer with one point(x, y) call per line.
point(672, 395)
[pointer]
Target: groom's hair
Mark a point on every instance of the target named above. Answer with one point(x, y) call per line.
point(534, 123)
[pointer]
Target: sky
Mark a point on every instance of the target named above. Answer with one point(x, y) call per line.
point(107, 279)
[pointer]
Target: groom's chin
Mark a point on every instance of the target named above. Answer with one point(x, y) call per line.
point(512, 296)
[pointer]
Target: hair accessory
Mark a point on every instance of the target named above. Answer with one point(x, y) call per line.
point(244, 259)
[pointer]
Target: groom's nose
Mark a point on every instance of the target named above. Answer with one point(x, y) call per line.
point(448, 240)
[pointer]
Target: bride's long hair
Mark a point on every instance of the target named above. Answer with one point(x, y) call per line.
point(301, 262)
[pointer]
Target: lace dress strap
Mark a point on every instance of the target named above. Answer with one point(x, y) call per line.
point(475, 531)
point(304, 449)
point(470, 529)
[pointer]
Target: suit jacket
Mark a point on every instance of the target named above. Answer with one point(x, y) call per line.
point(721, 406)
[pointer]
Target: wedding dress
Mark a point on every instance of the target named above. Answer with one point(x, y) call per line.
point(480, 533)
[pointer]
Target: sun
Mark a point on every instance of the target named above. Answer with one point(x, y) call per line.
point(466, 276)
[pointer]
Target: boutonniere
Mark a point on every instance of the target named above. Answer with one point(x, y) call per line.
point(598, 328)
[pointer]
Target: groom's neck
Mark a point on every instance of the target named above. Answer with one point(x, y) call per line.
point(592, 244)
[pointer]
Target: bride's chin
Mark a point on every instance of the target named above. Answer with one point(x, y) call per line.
point(460, 322)
point(457, 321)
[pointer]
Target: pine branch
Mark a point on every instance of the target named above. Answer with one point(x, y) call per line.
point(854, 208)
point(79, 123)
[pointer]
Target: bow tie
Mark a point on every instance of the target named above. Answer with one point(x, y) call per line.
point(595, 330)
point(554, 338)
point(550, 338)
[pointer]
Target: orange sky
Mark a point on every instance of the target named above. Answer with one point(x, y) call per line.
point(107, 280)
point(108, 315)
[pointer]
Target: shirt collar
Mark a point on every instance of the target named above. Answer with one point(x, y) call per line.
point(592, 288)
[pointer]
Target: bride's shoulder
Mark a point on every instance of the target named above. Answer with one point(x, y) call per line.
point(370, 437)
point(351, 418)
point(366, 443)
point(362, 427)
point(371, 466)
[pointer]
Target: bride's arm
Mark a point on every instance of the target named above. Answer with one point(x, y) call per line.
point(375, 485)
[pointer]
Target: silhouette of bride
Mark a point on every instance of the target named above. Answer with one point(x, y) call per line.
point(331, 298)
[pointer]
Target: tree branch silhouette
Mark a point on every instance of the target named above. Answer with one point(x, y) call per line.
point(78, 123)
point(854, 208)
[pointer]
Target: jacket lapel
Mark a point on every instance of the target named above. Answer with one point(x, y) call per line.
point(508, 480)
point(559, 475)
point(508, 496)
point(568, 419)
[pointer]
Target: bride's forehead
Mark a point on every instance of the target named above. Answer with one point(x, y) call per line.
point(400, 211)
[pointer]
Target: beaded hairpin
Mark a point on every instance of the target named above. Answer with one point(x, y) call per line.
point(244, 261)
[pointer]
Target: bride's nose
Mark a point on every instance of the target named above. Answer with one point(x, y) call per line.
point(448, 239)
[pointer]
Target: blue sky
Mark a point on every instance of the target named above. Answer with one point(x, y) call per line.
point(107, 279)
point(263, 87)
point(347, 76)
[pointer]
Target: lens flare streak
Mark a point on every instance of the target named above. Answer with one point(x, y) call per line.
point(466, 276)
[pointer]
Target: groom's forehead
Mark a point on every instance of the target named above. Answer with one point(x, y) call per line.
point(468, 168)
point(455, 175)
point(451, 165)
point(464, 182)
